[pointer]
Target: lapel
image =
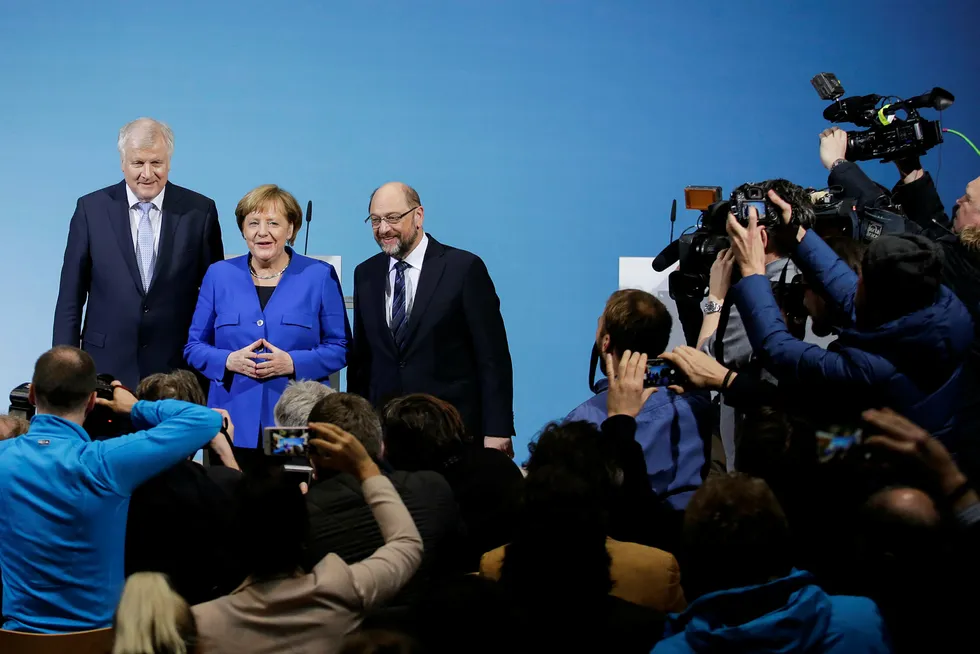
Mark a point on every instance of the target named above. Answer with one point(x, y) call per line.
point(433, 265)
point(374, 308)
point(119, 219)
point(171, 213)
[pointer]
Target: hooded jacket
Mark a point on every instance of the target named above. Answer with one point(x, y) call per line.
point(791, 614)
point(913, 364)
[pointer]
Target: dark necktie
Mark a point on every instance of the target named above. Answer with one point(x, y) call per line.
point(399, 317)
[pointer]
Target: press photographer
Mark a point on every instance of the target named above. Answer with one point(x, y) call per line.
point(907, 336)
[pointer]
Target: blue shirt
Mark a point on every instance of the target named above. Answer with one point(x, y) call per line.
point(668, 429)
point(63, 506)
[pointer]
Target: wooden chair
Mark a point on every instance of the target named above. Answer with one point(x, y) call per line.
point(97, 641)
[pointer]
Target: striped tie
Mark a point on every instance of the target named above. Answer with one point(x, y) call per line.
point(144, 245)
point(399, 321)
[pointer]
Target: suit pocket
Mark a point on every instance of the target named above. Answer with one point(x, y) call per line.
point(94, 339)
point(298, 320)
point(226, 320)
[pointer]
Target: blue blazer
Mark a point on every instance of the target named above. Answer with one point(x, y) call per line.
point(305, 317)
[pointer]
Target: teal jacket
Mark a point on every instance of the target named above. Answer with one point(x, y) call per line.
point(63, 505)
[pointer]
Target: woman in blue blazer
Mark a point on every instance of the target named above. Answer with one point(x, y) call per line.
point(266, 317)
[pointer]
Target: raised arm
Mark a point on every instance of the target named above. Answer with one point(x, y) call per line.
point(76, 277)
point(170, 430)
point(496, 371)
point(331, 354)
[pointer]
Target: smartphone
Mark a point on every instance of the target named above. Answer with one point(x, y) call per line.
point(660, 372)
point(285, 441)
point(835, 441)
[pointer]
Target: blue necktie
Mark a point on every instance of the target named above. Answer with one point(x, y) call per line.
point(399, 321)
point(144, 245)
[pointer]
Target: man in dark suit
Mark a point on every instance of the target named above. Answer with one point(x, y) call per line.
point(427, 320)
point(136, 254)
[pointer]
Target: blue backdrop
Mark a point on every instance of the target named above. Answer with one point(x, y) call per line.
point(547, 137)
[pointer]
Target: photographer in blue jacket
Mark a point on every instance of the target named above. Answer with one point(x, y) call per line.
point(906, 335)
point(64, 497)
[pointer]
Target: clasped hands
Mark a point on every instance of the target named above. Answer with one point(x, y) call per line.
point(275, 363)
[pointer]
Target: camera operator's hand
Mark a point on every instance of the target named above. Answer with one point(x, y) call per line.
point(221, 445)
point(241, 361)
point(699, 369)
point(905, 437)
point(122, 399)
point(720, 279)
point(833, 146)
point(336, 449)
point(747, 244)
point(786, 211)
point(626, 393)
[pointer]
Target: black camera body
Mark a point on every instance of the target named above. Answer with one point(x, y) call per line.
point(747, 197)
point(888, 137)
point(837, 215)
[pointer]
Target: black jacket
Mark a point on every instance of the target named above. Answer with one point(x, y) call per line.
point(341, 522)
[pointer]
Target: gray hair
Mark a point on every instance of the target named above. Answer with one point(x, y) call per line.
point(297, 401)
point(143, 132)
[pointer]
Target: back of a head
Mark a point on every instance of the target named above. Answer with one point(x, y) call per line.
point(794, 194)
point(576, 446)
point(297, 401)
point(849, 250)
point(421, 432)
point(380, 641)
point(273, 523)
point(177, 385)
point(64, 380)
point(735, 535)
point(901, 521)
point(775, 446)
point(558, 554)
point(901, 274)
point(152, 619)
point(353, 414)
point(637, 321)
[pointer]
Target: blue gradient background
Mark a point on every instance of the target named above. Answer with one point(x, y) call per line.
point(547, 137)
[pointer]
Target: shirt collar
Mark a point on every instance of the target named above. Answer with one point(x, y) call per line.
point(415, 257)
point(54, 426)
point(157, 201)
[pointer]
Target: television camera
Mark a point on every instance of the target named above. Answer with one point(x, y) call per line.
point(888, 136)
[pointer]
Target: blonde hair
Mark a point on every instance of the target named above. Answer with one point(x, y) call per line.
point(152, 619)
point(970, 237)
point(269, 196)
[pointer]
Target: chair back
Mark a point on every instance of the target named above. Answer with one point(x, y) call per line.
point(96, 641)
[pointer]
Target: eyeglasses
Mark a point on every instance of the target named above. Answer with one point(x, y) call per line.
point(391, 219)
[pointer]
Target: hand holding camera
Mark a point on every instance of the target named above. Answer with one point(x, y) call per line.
point(336, 449)
point(833, 146)
point(748, 244)
point(122, 400)
point(699, 370)
point(627, 391)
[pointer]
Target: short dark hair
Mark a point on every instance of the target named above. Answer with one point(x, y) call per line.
point(636, 321)
point(735, 535)
point(353, 414)
point(848, 250)
point(421, 432)
point(411, 196)
point(64, 379)
point(273, 522)
point(577, 446)
point(177, 385)
point(775, 446)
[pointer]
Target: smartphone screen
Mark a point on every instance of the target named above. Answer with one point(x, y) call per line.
point(285, 441)
point(835, 441)
point(660, 373)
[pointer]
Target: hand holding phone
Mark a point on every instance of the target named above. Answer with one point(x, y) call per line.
point(285, 441)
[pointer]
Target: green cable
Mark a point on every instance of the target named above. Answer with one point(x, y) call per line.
point(963, 136)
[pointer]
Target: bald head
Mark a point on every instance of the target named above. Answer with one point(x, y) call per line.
point(395, 192)
point(906, 505)
point(64, 381)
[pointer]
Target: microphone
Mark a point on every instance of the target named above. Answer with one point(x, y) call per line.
point(309, 217)
point(668, 256)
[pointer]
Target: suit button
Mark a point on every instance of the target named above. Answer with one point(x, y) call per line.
point(401, 364)
point(260, 323)
point(146, 309)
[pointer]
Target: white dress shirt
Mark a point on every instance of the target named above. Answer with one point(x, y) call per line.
point(412, 274)
point(156, 218)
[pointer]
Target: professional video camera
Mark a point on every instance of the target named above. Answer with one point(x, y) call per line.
point(888, 137)
point(102, 423)
point(837, 215)
point(696, 250)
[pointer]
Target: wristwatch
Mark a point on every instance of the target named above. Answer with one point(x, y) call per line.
point(710, 306)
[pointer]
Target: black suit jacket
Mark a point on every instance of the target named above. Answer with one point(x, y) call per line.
point(456, 346)
point(129, 333)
